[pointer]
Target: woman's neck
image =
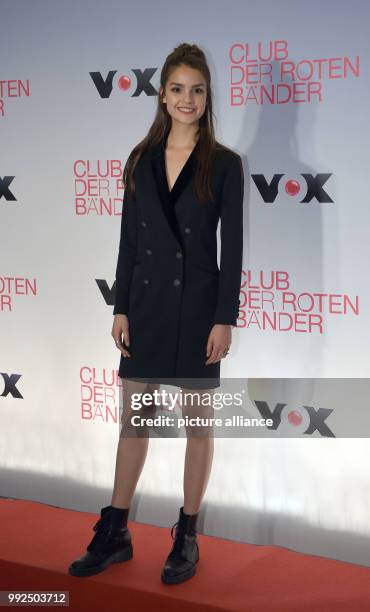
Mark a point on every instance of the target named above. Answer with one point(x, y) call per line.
point(182, 137)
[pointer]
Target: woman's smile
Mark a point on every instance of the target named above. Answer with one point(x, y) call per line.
point(186, 110)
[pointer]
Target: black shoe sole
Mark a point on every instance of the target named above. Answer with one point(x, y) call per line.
point(121, 555)
point(179, 578)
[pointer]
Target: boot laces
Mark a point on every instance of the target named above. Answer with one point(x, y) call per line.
point(102, 529)
point(179, 536)
point(172, 528)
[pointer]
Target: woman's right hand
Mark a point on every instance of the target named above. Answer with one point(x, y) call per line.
point(121, 328)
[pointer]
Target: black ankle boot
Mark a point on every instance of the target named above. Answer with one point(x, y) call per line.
point(110, 544)
point(181, 563)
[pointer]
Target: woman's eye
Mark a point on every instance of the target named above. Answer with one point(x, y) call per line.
point(198, 90)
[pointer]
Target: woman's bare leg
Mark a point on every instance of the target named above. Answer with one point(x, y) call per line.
point(132, 448)
point(199, 453)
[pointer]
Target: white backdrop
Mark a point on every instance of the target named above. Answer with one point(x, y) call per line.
point(304, 111)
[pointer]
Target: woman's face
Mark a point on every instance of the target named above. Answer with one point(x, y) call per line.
point(185, 89)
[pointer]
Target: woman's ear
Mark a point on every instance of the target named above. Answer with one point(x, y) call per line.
point(161, 91)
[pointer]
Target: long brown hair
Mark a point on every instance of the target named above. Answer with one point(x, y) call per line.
point(194, 57)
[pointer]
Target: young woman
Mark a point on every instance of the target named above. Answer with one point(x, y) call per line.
point(174, 308)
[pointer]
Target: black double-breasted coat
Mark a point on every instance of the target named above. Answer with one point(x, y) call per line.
point(168, 281)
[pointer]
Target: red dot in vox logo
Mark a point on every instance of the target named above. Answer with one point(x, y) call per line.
point(292, 187)
point(295, 417)
point(124, 82)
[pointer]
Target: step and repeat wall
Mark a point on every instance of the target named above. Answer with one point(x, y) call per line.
point(78, 90)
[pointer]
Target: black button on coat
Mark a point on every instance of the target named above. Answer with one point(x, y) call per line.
point(168, 282)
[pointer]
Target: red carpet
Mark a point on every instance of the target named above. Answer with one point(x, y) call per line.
point(38, 542)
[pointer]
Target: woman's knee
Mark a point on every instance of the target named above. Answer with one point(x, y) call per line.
point(132, 406)
point(198, 412)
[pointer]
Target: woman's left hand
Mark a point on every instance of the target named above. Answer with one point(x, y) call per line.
point(219, 342)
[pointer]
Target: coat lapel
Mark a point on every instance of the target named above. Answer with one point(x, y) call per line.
point(169, 201)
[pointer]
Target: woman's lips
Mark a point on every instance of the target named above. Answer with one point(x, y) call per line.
point(186, 111)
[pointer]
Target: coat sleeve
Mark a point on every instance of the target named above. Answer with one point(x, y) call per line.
point(126, 255)
point(231, 260)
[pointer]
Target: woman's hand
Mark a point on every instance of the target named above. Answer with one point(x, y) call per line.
point(219, 342)
point(121, 328)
